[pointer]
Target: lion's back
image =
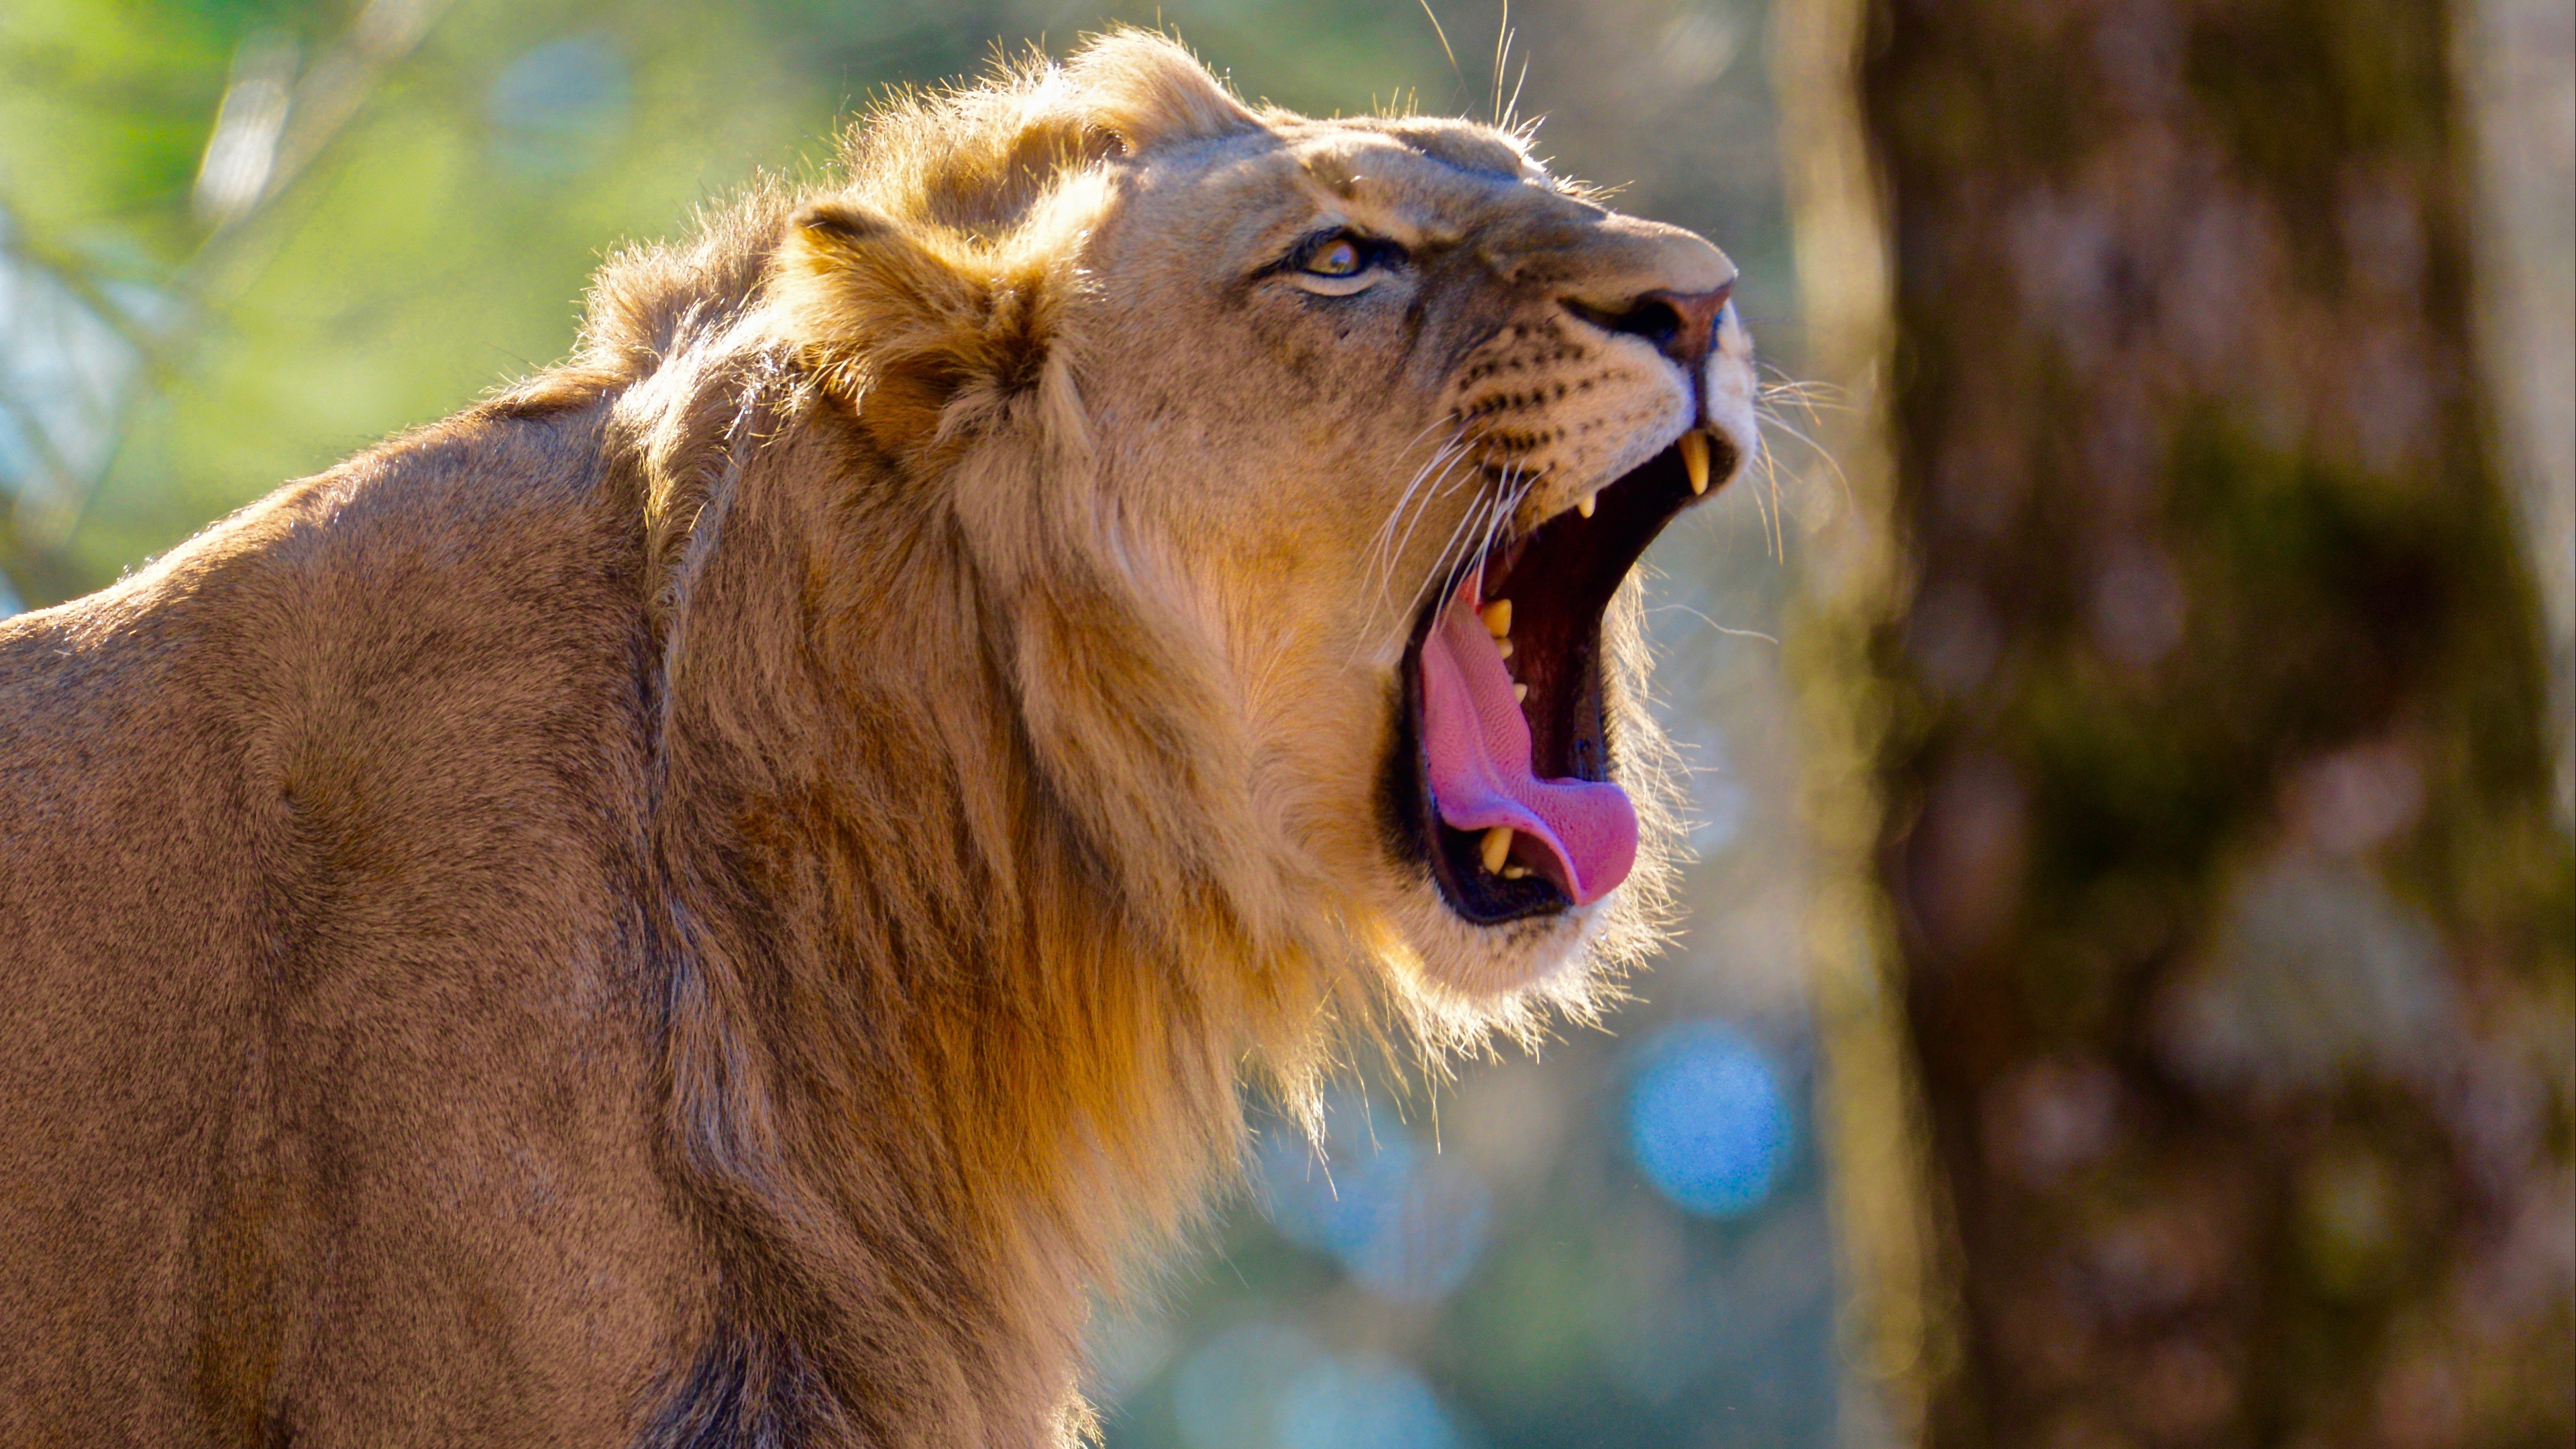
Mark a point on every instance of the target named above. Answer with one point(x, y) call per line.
point(115, 1001)
point(317, 869)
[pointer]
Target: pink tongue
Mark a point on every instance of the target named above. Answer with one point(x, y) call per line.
point(1478, 745)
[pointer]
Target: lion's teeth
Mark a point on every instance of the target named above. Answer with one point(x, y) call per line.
point(1515, 872)
point(1584, 504)
point(1521, 692)
point(1496, 848)
point(1498, 618)
point(1504, 645)
point(1695, 459)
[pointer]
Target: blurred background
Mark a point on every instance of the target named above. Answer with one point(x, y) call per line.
point(240, 239)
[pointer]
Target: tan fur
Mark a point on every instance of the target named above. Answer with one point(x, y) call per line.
point(709, 899)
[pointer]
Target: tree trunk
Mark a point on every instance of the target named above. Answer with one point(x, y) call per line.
point(2236, 928)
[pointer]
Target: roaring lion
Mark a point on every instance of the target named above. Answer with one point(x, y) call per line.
point(716, 896)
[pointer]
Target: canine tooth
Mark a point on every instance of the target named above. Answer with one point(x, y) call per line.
point(1498, 618)
point(1497, 848)
point(1584, 504)
point(1520, 692)
point(1695, 459)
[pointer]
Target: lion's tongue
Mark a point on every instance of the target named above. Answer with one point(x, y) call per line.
point(1478, 746)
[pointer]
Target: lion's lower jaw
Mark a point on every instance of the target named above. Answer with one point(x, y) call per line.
point(1480, 964)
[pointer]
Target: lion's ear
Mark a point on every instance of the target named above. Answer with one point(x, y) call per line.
point(1148, 91)
point(919, 331)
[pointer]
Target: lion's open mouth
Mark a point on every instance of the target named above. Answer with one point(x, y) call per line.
point(1501, 780)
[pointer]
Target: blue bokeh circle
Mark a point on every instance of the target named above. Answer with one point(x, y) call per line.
point(1709, 1123)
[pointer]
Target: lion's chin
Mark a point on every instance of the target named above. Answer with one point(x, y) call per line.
point(1481, 963)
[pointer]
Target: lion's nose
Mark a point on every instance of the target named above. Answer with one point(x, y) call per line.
point(1680, 325)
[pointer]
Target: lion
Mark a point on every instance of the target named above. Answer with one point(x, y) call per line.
point(719, 895)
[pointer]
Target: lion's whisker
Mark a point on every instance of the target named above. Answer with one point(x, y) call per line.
point(1440, 562)
point(1807, 394)
point(1823, 454)
point(1444, 561)
point(1439, 487)
point(1381, 547)
point(1443, 457)
point(1474, 524)
point(1785, 381)
point(1451, 478)
point(1506, 509)
point(1763, 511)
point(1386, 530)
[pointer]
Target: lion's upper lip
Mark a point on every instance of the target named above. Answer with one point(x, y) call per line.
point(1693, 446)
point(1549, 586)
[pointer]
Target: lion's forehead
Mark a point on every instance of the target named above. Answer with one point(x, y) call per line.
point(1435, 188)
point(1408, 180)
point(1450, 145)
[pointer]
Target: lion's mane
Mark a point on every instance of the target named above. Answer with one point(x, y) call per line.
point(1039, 924)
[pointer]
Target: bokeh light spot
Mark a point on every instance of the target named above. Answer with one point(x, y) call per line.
point(1708, 1121)
point(555, 108)
point(1267, 1385)
point(1229, 1394)
point(1406, 1224)
point(1363, 1401)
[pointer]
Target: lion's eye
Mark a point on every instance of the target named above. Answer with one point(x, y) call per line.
point(1342, 263)
point(1340, 257)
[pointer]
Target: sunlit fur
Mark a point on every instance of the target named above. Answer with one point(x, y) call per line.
point(1023, 584)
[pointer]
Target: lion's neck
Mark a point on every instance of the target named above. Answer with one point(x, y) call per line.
point(933, 1073)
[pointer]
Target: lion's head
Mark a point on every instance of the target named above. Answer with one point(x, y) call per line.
point(1362, 423)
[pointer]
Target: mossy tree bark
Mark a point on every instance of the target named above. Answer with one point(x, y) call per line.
point(2237, 930)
